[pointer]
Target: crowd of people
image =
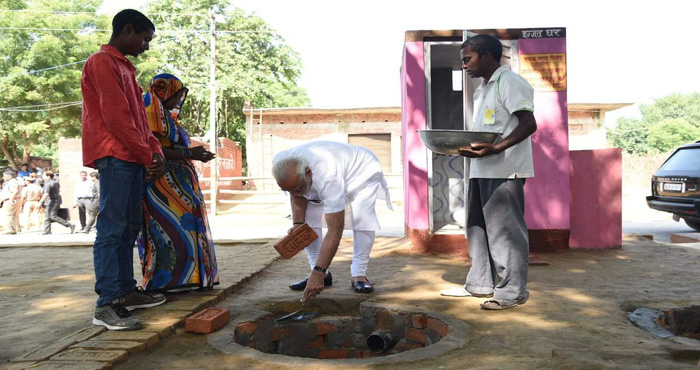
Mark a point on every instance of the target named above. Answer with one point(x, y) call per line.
point(31, 201)
point(146, 192)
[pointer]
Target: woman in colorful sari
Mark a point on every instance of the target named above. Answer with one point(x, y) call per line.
point(175, 243)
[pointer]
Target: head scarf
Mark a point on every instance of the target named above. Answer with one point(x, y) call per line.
point(161, 121)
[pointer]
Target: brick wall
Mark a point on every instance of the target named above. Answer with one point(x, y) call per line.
point(282, 129)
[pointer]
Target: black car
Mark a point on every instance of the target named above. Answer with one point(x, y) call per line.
point(675, 187)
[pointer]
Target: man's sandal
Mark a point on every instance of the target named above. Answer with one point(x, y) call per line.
point(500, 304)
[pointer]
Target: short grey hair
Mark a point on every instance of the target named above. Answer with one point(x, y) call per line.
point(283, 168)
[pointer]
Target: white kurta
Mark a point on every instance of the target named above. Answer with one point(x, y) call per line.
point(344, 177)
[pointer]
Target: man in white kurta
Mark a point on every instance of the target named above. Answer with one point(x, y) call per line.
point(343, 182)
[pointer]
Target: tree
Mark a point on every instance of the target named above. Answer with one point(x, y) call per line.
point(667, 123)
point(672, 133)
point(253, 63)
point(41, 104)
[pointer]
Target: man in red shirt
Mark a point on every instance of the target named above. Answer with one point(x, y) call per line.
point(119, 144)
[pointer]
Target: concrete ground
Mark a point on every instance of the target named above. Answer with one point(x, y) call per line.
point(575, 317)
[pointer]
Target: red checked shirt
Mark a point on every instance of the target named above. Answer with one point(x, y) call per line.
point(114, 116)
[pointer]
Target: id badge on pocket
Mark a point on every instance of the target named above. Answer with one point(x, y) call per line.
point(489, 116)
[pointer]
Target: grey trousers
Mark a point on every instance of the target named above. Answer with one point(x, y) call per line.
point(498, 239)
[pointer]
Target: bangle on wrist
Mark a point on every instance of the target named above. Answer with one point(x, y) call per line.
point(319, 268)
point(299, 223)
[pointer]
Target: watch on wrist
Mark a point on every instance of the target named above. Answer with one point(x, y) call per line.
point(319, 268)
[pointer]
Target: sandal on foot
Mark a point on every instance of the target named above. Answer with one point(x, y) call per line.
point(501, 304)
point(498, 304)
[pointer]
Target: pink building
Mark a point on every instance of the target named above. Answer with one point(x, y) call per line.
point(574, 200)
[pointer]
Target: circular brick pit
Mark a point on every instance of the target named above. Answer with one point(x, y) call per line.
point(683, 321)
point(342, 336)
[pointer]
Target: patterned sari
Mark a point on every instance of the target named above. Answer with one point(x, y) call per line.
point(175, 244)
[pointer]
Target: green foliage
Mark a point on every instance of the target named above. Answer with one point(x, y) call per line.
point(671, 133)
point(26, 50)
point(252, 65)
point(667, 123)
point(630, 135)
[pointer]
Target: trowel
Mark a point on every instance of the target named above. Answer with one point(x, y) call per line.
point(296, 316)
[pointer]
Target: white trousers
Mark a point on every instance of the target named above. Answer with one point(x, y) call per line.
point(362, 242)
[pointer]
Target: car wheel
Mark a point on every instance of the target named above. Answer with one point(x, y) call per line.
point(693, 222)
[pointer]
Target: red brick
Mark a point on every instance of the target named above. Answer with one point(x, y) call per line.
point(278, 334)
point(419, 321)
point(383, 320)
point(252, 344)
point(322, 328)
point(248, 327)
point(294, 242)
point(333, 353)
point(207, 320)
point(416, 335)
point(320, 341)
point(438, 327)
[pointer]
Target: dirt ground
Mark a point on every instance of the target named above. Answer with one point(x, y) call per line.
point(47, 293)
point(575, 318)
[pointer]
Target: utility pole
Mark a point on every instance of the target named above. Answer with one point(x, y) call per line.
point(213, 183)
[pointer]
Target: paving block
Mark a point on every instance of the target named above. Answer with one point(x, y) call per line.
point(189, 304)
point(108, 356)
point(129, 346)
point(162, 322)
point(134, 336)
point(17, 365)
point(208, 320)
point(71, 365)
point(44, 353)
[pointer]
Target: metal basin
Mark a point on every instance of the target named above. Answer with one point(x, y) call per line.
point(448, 142)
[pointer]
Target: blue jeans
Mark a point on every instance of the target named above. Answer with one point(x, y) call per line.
point(121, 191)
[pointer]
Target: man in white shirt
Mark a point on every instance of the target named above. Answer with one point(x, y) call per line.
point(496, 230)
point(83, 198)
point(9, 197)
point(343, 182)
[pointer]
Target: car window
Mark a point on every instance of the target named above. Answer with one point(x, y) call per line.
point(683, 160)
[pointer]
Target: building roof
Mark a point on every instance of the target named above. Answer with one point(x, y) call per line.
point(308, 110)
point(603, 107)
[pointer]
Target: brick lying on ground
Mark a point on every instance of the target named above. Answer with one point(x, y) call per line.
point(109, 356)
point(45, 352)
point(129, 346)
point(207, 320)
point(69, 365)
point(133, 336)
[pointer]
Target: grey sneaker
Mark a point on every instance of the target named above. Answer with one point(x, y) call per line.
point(114, 316)
point(140, 299)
